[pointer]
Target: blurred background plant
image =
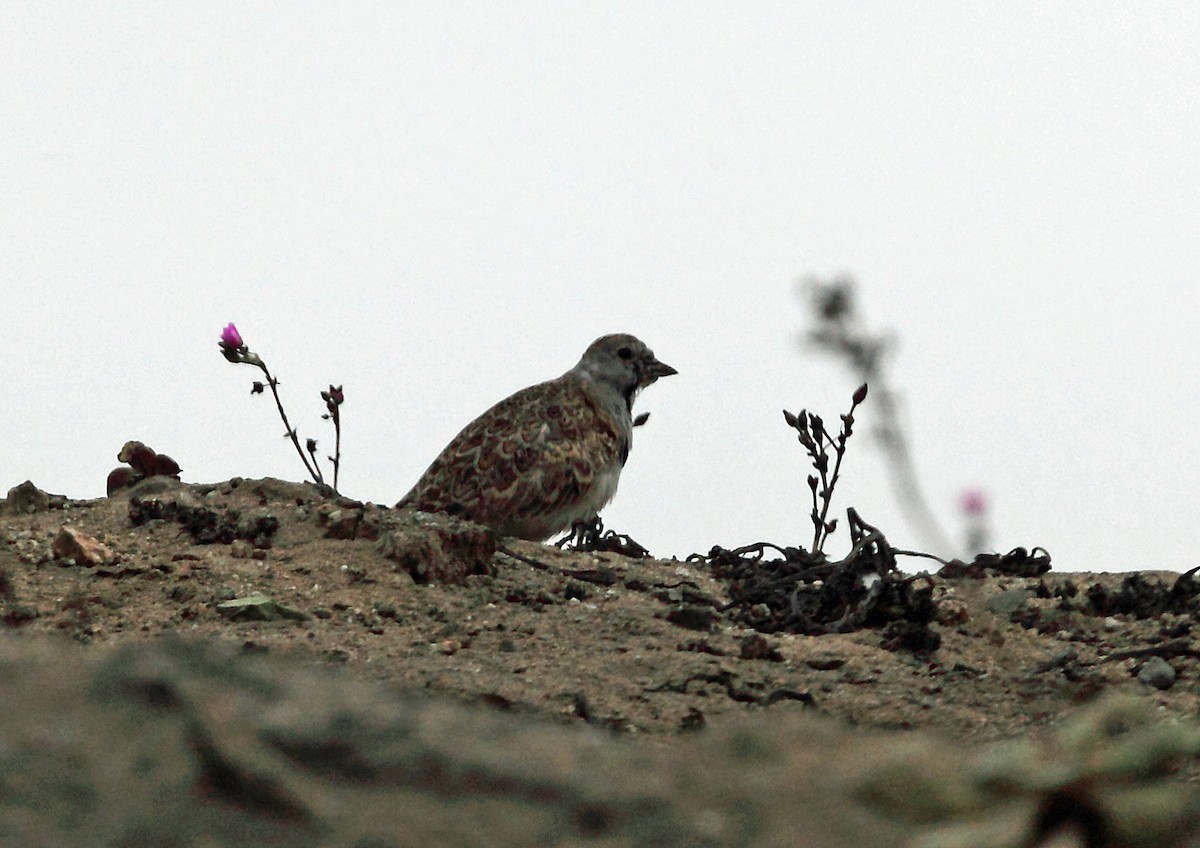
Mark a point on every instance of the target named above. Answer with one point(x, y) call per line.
point(973, 504)
point(839, 329)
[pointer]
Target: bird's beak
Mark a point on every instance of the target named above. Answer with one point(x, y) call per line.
point(656, 369)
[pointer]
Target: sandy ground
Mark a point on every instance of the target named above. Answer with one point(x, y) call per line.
point(552, 651)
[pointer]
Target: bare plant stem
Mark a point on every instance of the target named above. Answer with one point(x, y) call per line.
point(828, 482)
point(291, 432)
point(337, 448)
point(312, 451)
point(817, 442)
point(817, 521)
point(818, 512)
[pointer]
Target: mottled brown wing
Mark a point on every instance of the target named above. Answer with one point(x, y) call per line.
point(531, 454)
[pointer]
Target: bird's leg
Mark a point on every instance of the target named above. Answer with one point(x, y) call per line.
point(582, 536)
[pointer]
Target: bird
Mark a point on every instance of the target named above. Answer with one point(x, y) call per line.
point(548, 457)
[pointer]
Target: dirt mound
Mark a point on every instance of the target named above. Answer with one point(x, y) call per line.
point(533, 638)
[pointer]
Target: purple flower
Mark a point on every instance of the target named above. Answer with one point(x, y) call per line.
point(973, 502)
point(230, 337)
point(234, 349)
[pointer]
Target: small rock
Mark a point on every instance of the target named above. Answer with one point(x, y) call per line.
point(142, 463)
point(575, 592)
point(241, 549)
point(131, 570)
point(449, 647)
point(759, 613)
point(1064, 656)
point(692, 721)
point(339, 523)
point(693, 617)
point(951, 611)
point(386, 610)
point(1158, 673)
point(1007, 602)
point(825, 663)
point(437, 548)
point(756, 647)
point(259, 608)
point(24, 499)
point(258, 526)
point(1112, 623)
point(119, 478)
point(1176, 627)
point(80, 547)
point(19, 614)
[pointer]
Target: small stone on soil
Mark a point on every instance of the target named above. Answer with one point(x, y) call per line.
point(1158, 673)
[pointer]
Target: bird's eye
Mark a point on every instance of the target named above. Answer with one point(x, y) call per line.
point(625, 353)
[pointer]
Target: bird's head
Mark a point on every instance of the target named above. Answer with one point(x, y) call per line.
point(623, 362)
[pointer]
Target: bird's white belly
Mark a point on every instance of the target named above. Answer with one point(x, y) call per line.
point(603, 491)
point(586, 508)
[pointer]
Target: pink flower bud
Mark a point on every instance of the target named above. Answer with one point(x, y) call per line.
point(230, 337)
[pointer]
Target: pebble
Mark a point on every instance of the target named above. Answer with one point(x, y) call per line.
point(1007, 602)
point(1062, 657)
point(952, 611)
point(241, 549)
point(1158, 673)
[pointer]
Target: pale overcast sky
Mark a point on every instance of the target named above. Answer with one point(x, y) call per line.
point(436, 204)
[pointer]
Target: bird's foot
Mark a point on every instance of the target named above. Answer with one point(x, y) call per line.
point(591, 537)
